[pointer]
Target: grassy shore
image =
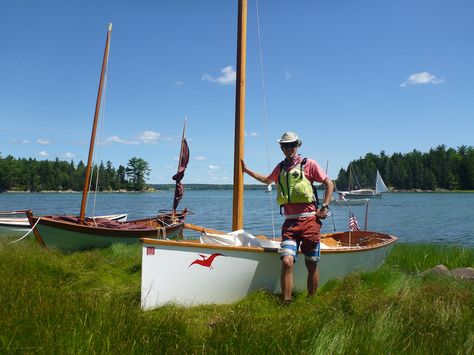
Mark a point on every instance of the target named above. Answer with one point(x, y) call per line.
point(90, 303)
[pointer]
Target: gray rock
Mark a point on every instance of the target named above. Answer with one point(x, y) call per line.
point(463, 273)
point(439, 270)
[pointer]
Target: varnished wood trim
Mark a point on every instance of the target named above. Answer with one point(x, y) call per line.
point(340, 249)
point(197, 244)
point(108, 232)
point(32, 221)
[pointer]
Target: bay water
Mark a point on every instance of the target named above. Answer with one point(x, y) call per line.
point(446, 217)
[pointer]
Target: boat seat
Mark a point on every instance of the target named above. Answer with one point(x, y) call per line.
point(330, 242)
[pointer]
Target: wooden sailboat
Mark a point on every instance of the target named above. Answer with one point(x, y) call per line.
point(70, 233)
point(225, 267)
point(17, 225)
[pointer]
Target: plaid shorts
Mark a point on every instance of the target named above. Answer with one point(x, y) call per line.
point(306, 233)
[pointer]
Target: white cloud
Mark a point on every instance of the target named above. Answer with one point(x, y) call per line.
point(422, 78)
point(200, 158)
point(43, 141)
point(69, 155)
point(213, 167)
point(218, 177)
point(149, 137)
point(252, 134)
point(20, 141)
point(287, 75)
point(43, 153)
point(146, 137)
point(178, 83)
point(115, 139)
point(227, 78)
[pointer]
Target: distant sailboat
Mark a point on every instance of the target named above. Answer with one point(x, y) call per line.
point(380, 188)
point(269, 188)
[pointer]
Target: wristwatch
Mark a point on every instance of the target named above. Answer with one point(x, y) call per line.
point(324, 206)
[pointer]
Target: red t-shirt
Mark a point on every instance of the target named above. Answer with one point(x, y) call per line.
point(313, 172)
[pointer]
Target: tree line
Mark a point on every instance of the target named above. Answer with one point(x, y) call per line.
point(440, 168)
point(45, 175)
point(208, 187)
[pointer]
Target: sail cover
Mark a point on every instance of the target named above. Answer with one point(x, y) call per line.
point(183, 163)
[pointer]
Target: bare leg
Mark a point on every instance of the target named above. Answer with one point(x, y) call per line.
point(286, 277)
point(313, 277)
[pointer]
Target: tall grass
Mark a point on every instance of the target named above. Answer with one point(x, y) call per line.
point(89, 303)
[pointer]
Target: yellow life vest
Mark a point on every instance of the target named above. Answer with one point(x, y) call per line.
point(293, 186)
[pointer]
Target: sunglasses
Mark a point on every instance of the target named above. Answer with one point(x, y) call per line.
point(289, 145)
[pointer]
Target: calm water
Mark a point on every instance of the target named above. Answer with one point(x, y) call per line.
point(413, 217)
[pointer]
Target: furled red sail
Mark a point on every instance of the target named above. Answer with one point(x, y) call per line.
point(183, 163)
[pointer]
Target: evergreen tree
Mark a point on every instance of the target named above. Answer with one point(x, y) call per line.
point(137, 171)
point(122, 177)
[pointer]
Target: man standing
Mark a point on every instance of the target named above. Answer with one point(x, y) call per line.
point(294, 177)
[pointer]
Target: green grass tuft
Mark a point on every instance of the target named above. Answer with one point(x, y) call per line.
point(89, 302)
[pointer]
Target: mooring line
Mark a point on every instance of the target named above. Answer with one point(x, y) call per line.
point(27, 232)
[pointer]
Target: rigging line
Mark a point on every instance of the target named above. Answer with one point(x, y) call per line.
point(356, 179)
point(264, 109)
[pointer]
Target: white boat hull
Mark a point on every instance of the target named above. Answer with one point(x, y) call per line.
point(171, 272)
point(360, 194)
point(352, 202)
point(13, 230)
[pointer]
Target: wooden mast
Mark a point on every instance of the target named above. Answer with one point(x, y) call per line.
point(94, 126)
point(238, 196)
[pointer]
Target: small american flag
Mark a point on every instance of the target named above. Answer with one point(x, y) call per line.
point(353, 224)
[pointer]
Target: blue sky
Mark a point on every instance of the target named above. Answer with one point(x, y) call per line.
point(350, 77)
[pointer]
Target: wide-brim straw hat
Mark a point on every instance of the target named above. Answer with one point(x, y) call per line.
point(290, 137)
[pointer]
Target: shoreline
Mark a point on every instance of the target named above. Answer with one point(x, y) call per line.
point(249, 187)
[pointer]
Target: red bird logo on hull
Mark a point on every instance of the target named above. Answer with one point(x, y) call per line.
point(207, 262)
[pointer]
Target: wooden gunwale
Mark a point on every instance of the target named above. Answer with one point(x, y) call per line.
point(334, 250)
point(22, 222)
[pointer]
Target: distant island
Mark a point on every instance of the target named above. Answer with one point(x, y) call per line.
point(164, 187)
point(440, 169)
